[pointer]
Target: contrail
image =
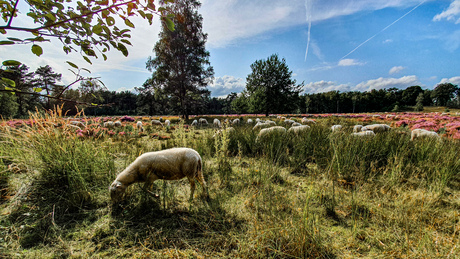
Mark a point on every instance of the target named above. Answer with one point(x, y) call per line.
point(308, 14)
point(384, 29)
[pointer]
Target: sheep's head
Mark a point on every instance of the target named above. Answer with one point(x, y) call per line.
point(116, 191)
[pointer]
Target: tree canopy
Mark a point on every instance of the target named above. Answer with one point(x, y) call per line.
point(181, 67)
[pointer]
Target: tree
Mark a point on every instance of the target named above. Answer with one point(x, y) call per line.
point(443, 93)
point(410, 95)
point(419, 102)
point(47, 80)
point(181, 67)
point(270, 86)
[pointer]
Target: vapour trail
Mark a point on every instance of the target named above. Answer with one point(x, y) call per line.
point(308, 17)
point(384, 29)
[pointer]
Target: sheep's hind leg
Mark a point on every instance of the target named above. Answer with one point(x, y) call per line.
point(192, 187)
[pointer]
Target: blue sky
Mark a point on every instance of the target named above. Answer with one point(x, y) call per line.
point(353, 44)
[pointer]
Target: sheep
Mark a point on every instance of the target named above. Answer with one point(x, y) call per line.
point(108, 124)
point(368, 133)
point(169, 164)
point(357, 128)
point(270, 131)
point(229, 131)
point(270, 122)
point(298, 130)
point(194, 123)
point(117, 124)
point(73, 127)
point(236, 122)
point(261, 125)
point(139, 125)
point(335, 128)
point(250, 121)
point(202, 122)
point(308, 121)
point(289, 122)
point(156, 123)
point(423, 133)
point(257, 120)
point(216, 123)
point(376, 128)
point(296, 124)
point(167, 123)
point(78, 123)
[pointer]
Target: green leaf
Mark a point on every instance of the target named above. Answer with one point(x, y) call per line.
point(14, 39)
point(72, 64)
point(87, 59)
point(110, 20)
point(93, 104)
point(126, 41)
point(123, 49)
point(37, 50)
point(87, 70)
point(50, 16)
point(97, 29)
point(11, 63)
point(2, 31)
point(129, 23)
point(37, 89)
point(104, 56)
point(6, 42)
point(8, 82)
point(169, 23)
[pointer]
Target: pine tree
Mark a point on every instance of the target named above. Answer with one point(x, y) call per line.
point(181, 67)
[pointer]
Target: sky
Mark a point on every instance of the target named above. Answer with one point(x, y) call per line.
point(344, 45)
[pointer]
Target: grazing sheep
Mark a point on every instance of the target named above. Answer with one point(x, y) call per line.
point(289, 122)
point(78, 123)
point(357, 128)
point(250, 121)
point(169, 164)
point(368, 133)
point(73, 127)
point(270, 122)
point(108, 124)
point(261, 125)
point(423, 133)
point(156, 123)
point(236, 122)
point(229, 131)
point(203, 122)
point(270, 131)
point(335, 128)
point(308, 121)
point(376, 128)
point(167, 123)
point(139, 125)
point(298, 130)
point(117, 124)
point(296, 124)
point(194, 123)
point(257, 120)
point(216, 123)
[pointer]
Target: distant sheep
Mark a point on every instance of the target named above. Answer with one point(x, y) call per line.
point(368, 133)
point(139, 125)
point(78, 123)
point(108, 124)
point(257, 120)
point(296, 124)
point(117, 124)
point(156, 123)
point(298, 130)
point(261, 125)
point(169, 164)
point(236, 122)
point(270, 131)
point(167, 123)
point(203, 122)
point(250, 121)
point(422, 133)
point(308, 121)
point(194, 123)
point(335, 128)
point(216, 123)
point(357, 128)
point(270, 122)
point(289, 122)
point(376, 128)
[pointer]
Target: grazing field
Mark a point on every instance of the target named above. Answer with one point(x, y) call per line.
point(314, 194)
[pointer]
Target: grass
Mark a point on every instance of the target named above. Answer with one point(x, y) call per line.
point(321, 195)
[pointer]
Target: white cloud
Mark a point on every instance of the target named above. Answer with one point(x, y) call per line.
point(453, 80)
point(396, 70)
point(349, 62)
point(325, 86)
point(124, 89)
point(224, 85)
point(387, 41)
point(381, 83)
point(451, 14)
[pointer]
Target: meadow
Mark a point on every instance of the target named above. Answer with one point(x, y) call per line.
point(322, 194)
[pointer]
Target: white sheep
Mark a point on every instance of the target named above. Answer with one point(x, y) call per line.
point(250, 121)
point(298, 130)
point(78, 123)
point(261, 125)
point(368, 133)
point(270, 131)
point(169, 164)
point(307, 121)
point(289, 122)
point(335, 128)
point(270, 122)
point(216, 123)
point(194, 123)
point(156, 123)
point(236, 122)
point(203, 122)
point(139, 125)
point(108, 124)
point(357, 128)
point(167, 123)
point(296, 124)
point(117, 124)
point(376, 128)
point(423, 133)
point(257, 120)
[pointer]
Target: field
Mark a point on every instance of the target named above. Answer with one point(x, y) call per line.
point(322, 194)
